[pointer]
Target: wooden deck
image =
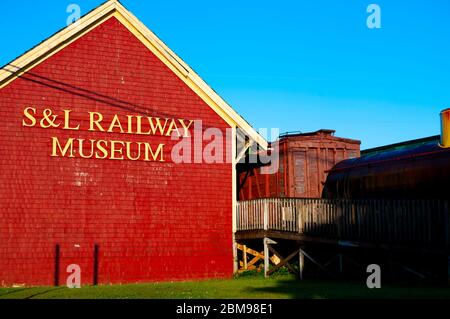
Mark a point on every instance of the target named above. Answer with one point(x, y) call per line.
point(410, 223)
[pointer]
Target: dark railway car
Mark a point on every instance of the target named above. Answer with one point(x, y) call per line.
point(418, 169)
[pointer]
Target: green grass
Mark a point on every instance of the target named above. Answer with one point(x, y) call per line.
point(246, 287)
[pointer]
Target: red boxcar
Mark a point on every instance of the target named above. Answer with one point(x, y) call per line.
point(304, 160)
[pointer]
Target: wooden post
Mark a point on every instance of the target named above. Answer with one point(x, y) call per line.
point(341, 263)
point(446, 224)
point(245, 256)
point(300, 209)
point(339, 217)
point(448, 267)
point(235, 256)
point(301, 263)
point(267, 242)
point(266, 257)
point(266, 215)
point(316, 263)
point(235, 210)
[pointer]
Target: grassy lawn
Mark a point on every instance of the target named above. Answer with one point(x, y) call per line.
point(247, 287)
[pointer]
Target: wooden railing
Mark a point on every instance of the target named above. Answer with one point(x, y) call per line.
point(400, 221)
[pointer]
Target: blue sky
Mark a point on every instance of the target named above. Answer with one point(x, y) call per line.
point(296, 65)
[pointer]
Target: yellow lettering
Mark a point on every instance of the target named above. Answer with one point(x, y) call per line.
point(95, 119)
point(81, 151)
point(129, 155)
point(63, 151)
point(29, 116)
point(157, 126)
point(130, 124)
point(115, 123)
point(139, 126)
point(186, 127)
point(49, 119)
point(159, 153)
point(114, 150)
point(102, 149)
point(67, 122)
point(173, 127)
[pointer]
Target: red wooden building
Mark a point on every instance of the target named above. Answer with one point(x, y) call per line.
point(304, 160)
point(87, 176)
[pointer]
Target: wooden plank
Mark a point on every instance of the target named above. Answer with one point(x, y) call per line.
point(392, 216)
point(316, 263)
point(346, 219)
point(412, 219)
point(407, 221)
point(446, 213)
point(374, 211)
point(266, 216)
point(253, 261)
point(448, 270)
point(417, 221)
point(245, 256)
point(301, 264)
point(429, 228)
point(401, 221)
point(266, 258)
point(283, 262)
point(251, 251)
point(358, 215)
point(339, 219)
point(341, 263)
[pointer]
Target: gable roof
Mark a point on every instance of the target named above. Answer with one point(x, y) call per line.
point(113, 8)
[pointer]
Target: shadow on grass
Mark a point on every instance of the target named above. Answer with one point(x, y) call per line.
point(13, 291)
point(44, 292)
point(338, 289)
point(22, 293)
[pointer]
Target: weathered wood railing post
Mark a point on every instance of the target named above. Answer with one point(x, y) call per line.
point(266, 215)
point(448, 270)
point(339, 218)
point(447, 223)
point(267, 242)
point(300, 209)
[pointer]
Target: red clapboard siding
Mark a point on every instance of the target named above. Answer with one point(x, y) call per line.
point(152, 221)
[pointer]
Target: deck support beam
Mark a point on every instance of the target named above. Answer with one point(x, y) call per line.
point(412, 271)
point(235, 256)
point(448, 270)
point(245, 257)
point(317, 263)
point(301, 263)
point(283, 262)
point(266, 258)
point(267, 242)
